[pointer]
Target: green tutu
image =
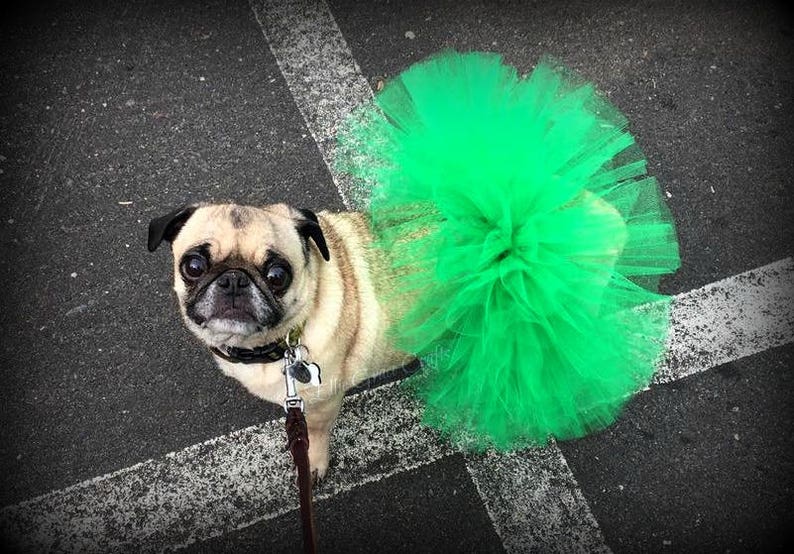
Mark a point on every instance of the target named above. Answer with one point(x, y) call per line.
point(526, 243)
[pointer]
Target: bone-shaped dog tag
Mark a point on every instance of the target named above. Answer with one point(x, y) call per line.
point(299, 371)
point(305, 373)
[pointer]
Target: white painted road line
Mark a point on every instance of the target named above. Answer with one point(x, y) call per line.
point(236, 480)
point(534, 502)
point(730, 319)
point(320, 71)
point(221, 485)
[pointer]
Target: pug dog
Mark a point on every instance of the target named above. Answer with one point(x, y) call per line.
point(248, 279)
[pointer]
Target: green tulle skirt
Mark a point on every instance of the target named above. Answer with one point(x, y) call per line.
point(525, 243)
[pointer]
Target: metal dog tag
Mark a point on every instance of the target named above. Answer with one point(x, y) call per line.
point(300, 370)
point(305, 373)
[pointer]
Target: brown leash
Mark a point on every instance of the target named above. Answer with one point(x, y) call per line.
point(298, 445)
point(296, 369)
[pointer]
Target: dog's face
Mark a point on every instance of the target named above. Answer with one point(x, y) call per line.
point(244, 276)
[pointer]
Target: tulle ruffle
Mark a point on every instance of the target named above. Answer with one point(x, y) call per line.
point(526, 242)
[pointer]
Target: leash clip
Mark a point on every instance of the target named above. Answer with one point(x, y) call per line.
point(292, 400)
point(296, 369)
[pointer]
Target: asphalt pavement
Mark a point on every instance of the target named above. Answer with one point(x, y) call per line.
point(114, 113)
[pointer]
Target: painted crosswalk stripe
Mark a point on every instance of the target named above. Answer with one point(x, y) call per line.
point(730, 319)
point(534, 502)
point(218, 486)
point(319, 69)
point(236, 480)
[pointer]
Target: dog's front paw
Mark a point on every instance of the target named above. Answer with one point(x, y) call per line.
point(319, 420)
point(318, 457)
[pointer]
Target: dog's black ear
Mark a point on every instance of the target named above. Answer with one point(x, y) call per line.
point(310, 228)
point(167, 227)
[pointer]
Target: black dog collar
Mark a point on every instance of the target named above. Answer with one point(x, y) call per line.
point(271, 352)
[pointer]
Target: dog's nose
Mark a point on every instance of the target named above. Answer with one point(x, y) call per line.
point(233, 280)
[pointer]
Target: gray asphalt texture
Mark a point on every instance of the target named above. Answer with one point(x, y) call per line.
point(114, 113)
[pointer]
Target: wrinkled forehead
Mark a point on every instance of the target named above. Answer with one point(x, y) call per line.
point(240, 231)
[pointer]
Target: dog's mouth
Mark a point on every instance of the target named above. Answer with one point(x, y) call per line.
point(233, 322)
point(234, 319)
point(228, 318)
point(235, 313)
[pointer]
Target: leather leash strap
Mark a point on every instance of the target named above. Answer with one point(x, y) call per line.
point(298, 445)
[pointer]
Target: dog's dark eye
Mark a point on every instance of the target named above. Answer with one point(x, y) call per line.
point(278, 278)
point(194, 266)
